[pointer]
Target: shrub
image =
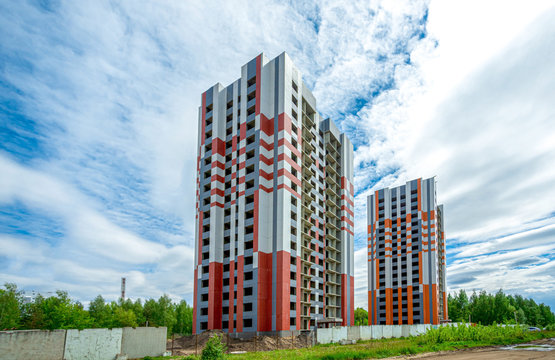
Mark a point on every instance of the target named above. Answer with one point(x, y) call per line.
point(214, 349)
point(492, 333)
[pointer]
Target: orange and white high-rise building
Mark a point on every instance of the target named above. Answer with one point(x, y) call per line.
point(406, 255)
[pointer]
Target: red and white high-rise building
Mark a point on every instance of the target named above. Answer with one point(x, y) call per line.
point(274, 214)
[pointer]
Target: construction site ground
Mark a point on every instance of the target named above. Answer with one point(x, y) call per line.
point(193, 344)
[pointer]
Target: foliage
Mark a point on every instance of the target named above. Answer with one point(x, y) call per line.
point(487, 309)
point(493, 333)
point(184, 318)
point(214, 349)
point(10, 303)
point(60, 312)
point(361, 316)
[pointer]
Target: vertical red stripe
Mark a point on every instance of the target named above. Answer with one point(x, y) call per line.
point(264, 292)
point(240, 272)
point(231, 312)
point(352, 300)
point(409, 305)
point(344, 299)
point(283, 290)
point(215, 283)
point(195, 304)
point(400, 305)
point(388, 306)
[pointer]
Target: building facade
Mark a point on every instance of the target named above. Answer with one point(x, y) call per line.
point(406, 255)
point(274, 213)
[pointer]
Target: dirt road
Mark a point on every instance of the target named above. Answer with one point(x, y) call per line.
point(540, 349)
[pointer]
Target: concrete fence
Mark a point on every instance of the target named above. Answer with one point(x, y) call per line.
point(354, 333)
point(91, 344)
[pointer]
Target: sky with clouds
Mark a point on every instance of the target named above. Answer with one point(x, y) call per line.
point(99, 99)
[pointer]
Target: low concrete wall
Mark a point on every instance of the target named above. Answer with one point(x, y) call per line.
point(355, 333)
point(98, 344)
point(90, 344)
point(141, 342)
point(324, 336)
point(32, 344)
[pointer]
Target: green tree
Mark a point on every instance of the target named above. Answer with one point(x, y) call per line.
point(160, 313)
point(214, 349)
point(124, 318)
point(10, 305)
point(100, 312)
point(59, 312)
point(361, 316)
point(184, 319)
point(138, 310)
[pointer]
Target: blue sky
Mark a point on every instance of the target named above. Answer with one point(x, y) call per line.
point(98, 104)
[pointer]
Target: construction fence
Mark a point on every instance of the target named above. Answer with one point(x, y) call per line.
point(93, 344)
point(349, 334)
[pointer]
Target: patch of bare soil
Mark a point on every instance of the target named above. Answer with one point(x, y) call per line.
point(191, 344)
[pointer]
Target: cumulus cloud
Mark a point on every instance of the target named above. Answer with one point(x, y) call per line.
point(488, 135)
point(98, 135)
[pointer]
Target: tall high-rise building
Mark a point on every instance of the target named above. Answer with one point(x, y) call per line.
point(274, 214)
point(406, 255)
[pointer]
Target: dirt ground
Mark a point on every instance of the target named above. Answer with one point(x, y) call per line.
point(192, 344)
point(537, 349)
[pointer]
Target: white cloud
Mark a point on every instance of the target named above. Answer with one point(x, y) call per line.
point(116, 114)
point(476, 111)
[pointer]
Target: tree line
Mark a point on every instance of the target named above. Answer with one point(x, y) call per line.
point(487, 309)
point(499, 308)
point(60, 312)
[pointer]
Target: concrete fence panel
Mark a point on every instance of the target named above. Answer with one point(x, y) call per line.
point(388, 331)
point(405, 330)
point(396, 331)
point(324, 336)
point(32, 344)
point(339, 333)
point(144, 341)
point(93, 344)
point(377, 331)
point(366, 332)
point(353, 333)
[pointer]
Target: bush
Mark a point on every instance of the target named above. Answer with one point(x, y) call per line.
point(214, 349)
point(492, 333)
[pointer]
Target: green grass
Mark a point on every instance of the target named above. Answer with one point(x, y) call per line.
point(442, 339)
